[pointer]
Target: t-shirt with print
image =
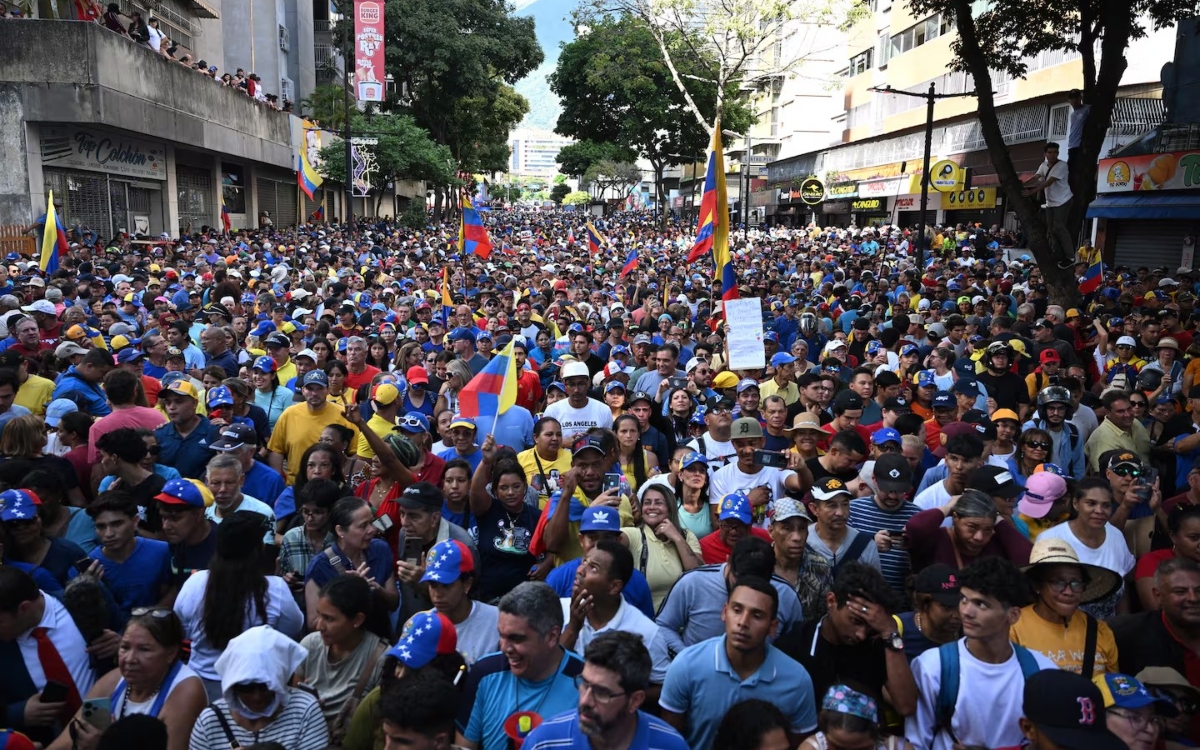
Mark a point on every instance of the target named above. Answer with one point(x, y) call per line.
point(504, 554)
point(575, 422)
point(732, 479)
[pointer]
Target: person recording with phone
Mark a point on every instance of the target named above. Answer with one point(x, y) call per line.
point(764, 476)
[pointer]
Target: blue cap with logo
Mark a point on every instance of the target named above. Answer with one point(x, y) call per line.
point(885, 435)
point(736, 506)
point(926, 378)
point(944, 400)
point(18, 505)
point(600, 518)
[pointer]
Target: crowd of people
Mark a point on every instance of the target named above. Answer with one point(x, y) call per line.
point(245, 503)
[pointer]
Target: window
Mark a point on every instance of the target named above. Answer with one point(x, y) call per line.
point(233, 187)
point(924, 31)
point(861, 62)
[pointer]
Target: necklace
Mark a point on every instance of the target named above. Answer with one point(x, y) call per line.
point(917, 622)
point(125, 699)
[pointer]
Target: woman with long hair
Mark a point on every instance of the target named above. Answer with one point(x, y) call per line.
point(344, 657)
point(614, 397)
point(941, 361)
point(339, 394)
point(217, 604)
point(358, 553)
point(341, 439)
point(637, 463)
point(320, 461)
point(150, 680)
point(269, 395)
point(663, 549)
point(506, 524)
point(457, 376)
point(1034, 447)
point(1183, 528)
point(546, 461)
point(410, 355)
point(377, 354)
point(696, 513)
point(323, 350)
point(22, 443)
point(388, 335)
point(910, 363)
point(677, 414)
point(302, 543)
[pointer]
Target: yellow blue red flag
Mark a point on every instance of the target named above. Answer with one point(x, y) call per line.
point(493, 390)
point(54, 239)
point(712, 231)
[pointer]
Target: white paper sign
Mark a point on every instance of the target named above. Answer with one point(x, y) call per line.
point(746, 350)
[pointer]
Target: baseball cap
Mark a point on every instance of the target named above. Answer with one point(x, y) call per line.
point(426, 635)
point(586, 443)
point(184, 388)
point(41, 306)
point(897, 403)
point(725, 380)
point(417, 374)
point(1041, 490)
point(1126, 341)
point(829, 488)
point(787, 507)
point(939, 581)
point(68, 349)
point(994, 481)
point(1124, 691)
point(693, 458)
point(600, 518)
point(944, 400)
point(885, 435)
point(421, 496)
point(462, 334)
point(234, 436)
point(745, 427)
point(746, 383)
point(413, 423)
point(1120, 459)
point(1049, 355)
point(636, 396)
point(782, 358)
point(575, 370)
point(847, 401)
point(966, 387)
point(278, 339)
point(18, 505)
point(315, 377)
point(892, 473)
point(1000, 414)
point(385, 393)
point(1069, 710)
point(447, 561)
point(59, 408)
point(925, 378)
point(219, 396)
point(185, 492)
point(265, 364)
point(459, 420)
point(735, 506)
point(305, 353)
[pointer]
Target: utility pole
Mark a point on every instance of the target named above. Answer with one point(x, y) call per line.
point(930, 97)
point(348, 63)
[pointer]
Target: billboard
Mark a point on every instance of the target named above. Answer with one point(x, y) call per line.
point(368, 51)
point(1178, 170)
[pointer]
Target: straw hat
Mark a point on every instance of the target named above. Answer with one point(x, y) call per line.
point(1047, 552)
point(805, 420)
point(1166, 342)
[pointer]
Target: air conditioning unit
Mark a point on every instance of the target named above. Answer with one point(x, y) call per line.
point(285, 39)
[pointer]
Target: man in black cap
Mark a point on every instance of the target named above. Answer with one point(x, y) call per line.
point(885, 514)
point(422, 526)
point(1064, 711)
point(715, 443)
point(934, 619)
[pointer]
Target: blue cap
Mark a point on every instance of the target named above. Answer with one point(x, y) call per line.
point(462, 334)
point(885, 435)
point(874, 346)
point(129, 354)
point(926, 378)
point(266, 364)
point(59, 408)
point(219, 396)
point(782, 358)
point(315, 377)
point(965, 367)
point(557, 385)
point(944, 400)
point(966, 387)
point(426, 635)
point(262, 329)
point(613, 385)
point(693, 458)
point(600, 518)
point(413, 423)
point(746, 383)
point(908, 349)
point(18, 505)
point(736, 506)
point(771, 336)
point(447, 561)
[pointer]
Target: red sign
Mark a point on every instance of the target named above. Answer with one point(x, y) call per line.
point(368, 51)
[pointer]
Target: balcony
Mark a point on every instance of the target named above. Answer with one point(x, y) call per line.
point(95, 76)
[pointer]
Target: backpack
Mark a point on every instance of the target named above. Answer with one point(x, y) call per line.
point(943, 711)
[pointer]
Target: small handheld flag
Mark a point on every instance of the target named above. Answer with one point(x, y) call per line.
point(319, 214)
point(54, 239)
point(1092, 278)
point(472, 237)
point(631, 263)
point(447, 300)
point(493, 390)
point(595, 239)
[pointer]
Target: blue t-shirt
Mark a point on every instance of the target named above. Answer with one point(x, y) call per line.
point(263, 483)
point(138, 581)
point(378, 558)
point(473, 459)
point(636, 592)
point(493, 693)
point(514, 429)
point(189, 455)
point(563, 732)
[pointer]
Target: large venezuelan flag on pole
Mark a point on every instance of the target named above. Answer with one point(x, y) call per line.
point(493, 390)
point(306, 176)
point(54, 239)
point(595, 239)
point(472, 237)
point(712, 231)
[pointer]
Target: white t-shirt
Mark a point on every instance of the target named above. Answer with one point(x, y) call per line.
point(731, 479)
point(1113, 553)
point(989, 701)
point(629, 619)
point(719, 453)
point(575, 422)
point(254, 506)
point(479, 634)
point(934, 496)
point(155, 40)
point(1059, 192)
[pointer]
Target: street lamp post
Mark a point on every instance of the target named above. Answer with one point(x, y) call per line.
point(930, 97)
point(348, 48)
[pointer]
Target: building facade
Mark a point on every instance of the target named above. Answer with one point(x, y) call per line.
point(533, 152)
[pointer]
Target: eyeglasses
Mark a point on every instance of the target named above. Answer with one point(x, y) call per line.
point(314, 512)
point(1125, 471)
point(158, 613)
point(1058, 585)
point(600, 694)
point(718, 410)
point(1185, 703)
point(888, 448)
point(1039, 445)
point(1137, 722)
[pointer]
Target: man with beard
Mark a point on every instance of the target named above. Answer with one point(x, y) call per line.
point(1054, 408)
point(1004, 387)
point(612, 689)
point(706, 679)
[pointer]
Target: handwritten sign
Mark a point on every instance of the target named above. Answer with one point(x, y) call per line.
point(746, 350)
point(100, 151)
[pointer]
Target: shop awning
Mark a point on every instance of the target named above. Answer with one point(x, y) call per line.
point(1144, 205)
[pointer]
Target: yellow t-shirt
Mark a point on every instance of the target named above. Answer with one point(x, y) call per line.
point(380, 427)
point(663, 566)
point(1064, 646)
point(286, 372)
point(298, 429)
point(1038, 525)
point(554, 470)
point(34, 394)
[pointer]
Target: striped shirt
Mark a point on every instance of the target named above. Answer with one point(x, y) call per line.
point(869, 518)
point(563, 731)
point(300, 726)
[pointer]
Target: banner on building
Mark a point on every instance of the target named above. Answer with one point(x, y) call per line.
point(1177, 170)
point(99, 151)
point(945, 176)
point(368, 51)
point(841, 192)
point(968, 200)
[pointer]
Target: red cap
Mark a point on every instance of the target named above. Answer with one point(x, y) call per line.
point(417, 374)
point(1049, 355)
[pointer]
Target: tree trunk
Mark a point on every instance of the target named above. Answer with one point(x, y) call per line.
point(659, 168)
point(438, 198)
point(1061, 284)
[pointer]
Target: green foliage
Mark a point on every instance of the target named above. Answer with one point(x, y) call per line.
point(560, 191)
point(577, 198)
point(506, 193)
point(560, 179)
point(326, 105)
point(404, 152)
point(610, 175)
point(577, 158)
point(415, 216)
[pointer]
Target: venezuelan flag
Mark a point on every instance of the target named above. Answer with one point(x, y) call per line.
point(631, 263)
point(319, 214)
point(472, 237)
point(447, 300)
point(1092, 278)
point(54, 239)
point(493, 390)
point(713, 227)
point(595, 239)
point(307, 177)
point(224, 213)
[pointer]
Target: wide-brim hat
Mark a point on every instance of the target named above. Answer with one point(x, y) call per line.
point(1046, 552)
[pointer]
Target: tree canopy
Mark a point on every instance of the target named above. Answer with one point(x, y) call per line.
point(577, 158)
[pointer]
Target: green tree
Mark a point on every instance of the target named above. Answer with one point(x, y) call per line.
point(326, 105)
point(577, 158)
point(560, 191)
point(615, 176)
point(404, 152)
point(1002, 35)
point(577, 198)
point(616, 88)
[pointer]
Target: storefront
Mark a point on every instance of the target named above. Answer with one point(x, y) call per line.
point(971, 206)
point(1149, 209)
point(870, 212)
point(906, 209)
point(835, 213)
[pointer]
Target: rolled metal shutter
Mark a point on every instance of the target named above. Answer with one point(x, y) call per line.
point(1151, 242)
point(285, 204)
point(194, 187)
point(266, 200)
point(85, 199)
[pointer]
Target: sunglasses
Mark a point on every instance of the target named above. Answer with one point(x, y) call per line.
point(158, 613)
point(1138, 404)
point(1126, 471)
point(1038, 444)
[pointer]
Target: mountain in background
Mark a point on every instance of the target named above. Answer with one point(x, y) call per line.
point(553, 28)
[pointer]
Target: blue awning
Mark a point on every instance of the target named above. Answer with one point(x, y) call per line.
point(1145, 205)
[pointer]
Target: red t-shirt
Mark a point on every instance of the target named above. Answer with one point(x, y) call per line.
point(529, 390)
point(714, 551)
point(356, 380)
point(1147, 564)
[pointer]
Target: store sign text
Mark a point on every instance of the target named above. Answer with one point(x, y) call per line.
point(97, 151)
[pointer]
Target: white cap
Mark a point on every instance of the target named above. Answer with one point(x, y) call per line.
point(1126, 341)
point(1167, 282)
point(575, 370)
point(834, 344)
point(691, 365)
point(305, 353)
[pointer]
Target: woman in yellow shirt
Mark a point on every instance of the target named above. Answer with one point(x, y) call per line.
point(546, 462)
point(1054, 624)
